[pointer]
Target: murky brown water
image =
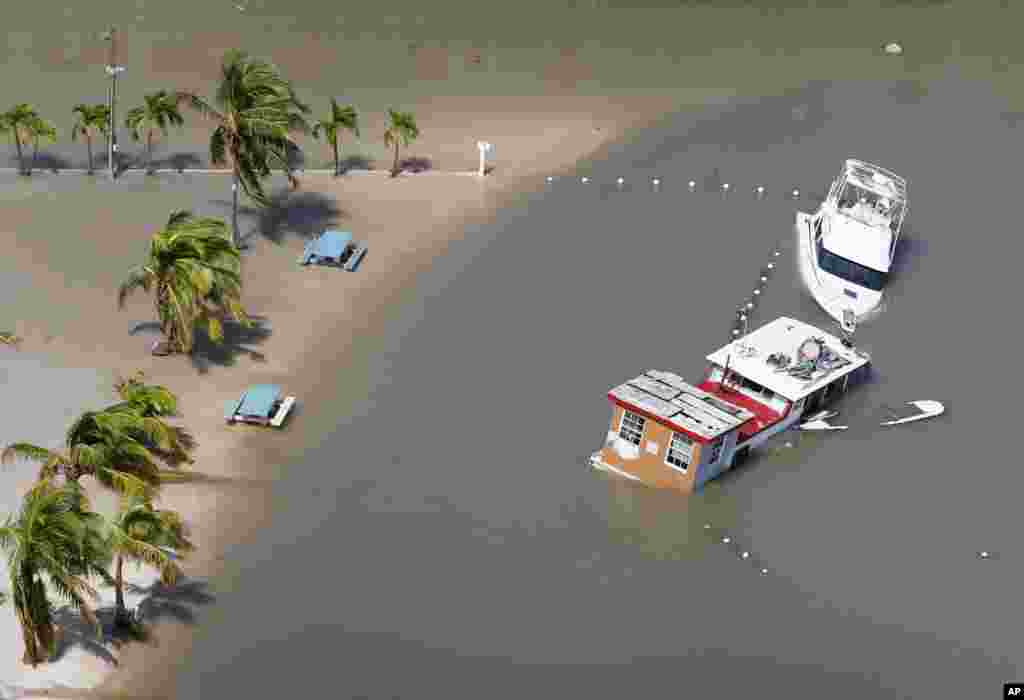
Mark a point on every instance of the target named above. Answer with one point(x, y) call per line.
point(456, 546)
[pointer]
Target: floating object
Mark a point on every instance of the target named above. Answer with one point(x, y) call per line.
point(788, 444)
point(726, 540)
point(725, 186)
point(764, 279)
point(707, 526)
point(760, 189)
point(757, 291)
point(550, 178)
point(584, 179)
point(796, 194)
point(692, 184)
point(860, 220)
point(735, 332)
point(893, 49)
point(922, 409)
point(620, 180)
point(984, 555)
point(777, 253)
point(821, 425)
point(764, 572)
point(771, 266)
point(745, 555)
point(750, 304)
point(656, 182)
point(261, 404)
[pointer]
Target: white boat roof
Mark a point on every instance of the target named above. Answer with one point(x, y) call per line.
point(876, 179)
point(748, 356)
point(856, 241)
point(681, 405)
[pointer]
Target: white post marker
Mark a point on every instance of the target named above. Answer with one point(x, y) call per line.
point(484, 148)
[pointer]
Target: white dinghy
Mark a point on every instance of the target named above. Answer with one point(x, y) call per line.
point(917, 410)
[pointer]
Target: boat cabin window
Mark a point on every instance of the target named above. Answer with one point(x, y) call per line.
point(716, 450)
point(852, 272)
point(631, 429)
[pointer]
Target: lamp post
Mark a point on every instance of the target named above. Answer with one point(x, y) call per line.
point(112, 70)
point(485, 148)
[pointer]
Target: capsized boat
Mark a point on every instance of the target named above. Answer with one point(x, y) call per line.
point(917, 410)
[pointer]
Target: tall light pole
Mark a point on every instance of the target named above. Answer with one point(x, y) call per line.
point(112, 70)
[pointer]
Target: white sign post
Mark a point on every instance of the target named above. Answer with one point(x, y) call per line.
point(485, 148)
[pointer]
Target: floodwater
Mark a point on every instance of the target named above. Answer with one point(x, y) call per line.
point(454, 545)
point(445, 540)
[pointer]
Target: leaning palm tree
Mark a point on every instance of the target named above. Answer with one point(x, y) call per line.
point(255, 113)
point(51, 542)
point(159, 112)
point(157, 402)
point(341, 118)
point(41, 130)
point(401, 128)
point(89, 120)
point(19, 120)
point(144, 535)
point(111, 446)
point(193, 272)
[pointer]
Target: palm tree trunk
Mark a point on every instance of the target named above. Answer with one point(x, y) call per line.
point(234, 209)
point(35, 152)
point(17, 145)
point(149, 152)
point(120, 612)
point(337, 161)
point(88, 145)
point(394, 169)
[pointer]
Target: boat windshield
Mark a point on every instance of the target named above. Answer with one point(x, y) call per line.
point(866, 206)
point(852, 272)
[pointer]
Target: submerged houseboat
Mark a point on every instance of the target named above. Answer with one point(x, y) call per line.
point(668, 433)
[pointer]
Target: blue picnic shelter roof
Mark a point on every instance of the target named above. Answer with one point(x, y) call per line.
point(258, 400)
point(331, 244)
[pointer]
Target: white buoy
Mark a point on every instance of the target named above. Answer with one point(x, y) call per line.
point(745, 555)
point(764, 279)
point(550, 178)
point(743, 317)
point(735, 332)
point(893, 49)
point(771, 266)
point(788, 444)
point(764, 572)
point(692, 184)
point(584, 179)
point(796, 193)
point(750, 305)
point(707, 526)
point(756, 292)
point(656, 182)
point(984, 555)
point(760, 189)
point(620, 180)
point(726, 540)
point(777, 253)
point(725, 186)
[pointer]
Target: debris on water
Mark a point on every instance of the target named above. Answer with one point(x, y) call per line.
point(707, 526)
point(764, 572)
point(893, 48)
point(745, 555)
point(788, 444)
point(985, 554)
point(726, 540)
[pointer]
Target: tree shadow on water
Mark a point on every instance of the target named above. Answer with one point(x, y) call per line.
point(303, 213)
point(237, 338)
point(178, 161)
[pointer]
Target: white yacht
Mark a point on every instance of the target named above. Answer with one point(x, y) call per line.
point(846, 248)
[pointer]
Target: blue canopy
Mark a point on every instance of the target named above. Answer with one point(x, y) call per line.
point(258, 400)
point(330, 244)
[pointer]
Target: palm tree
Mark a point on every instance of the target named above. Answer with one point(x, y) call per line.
point(341, 118)
point(19, 120)
point(42, 130)
point(157, 402)
point(401, 128)
point(52, 539)
point(144, 535)
point(111, 446)
point(193, 271)
point(255, 112)
point(89, 120)
point(159, 112)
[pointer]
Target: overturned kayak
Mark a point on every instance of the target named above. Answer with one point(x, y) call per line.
point(916, 410)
